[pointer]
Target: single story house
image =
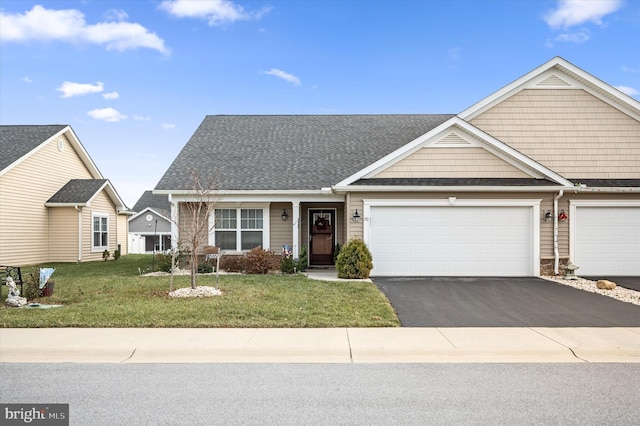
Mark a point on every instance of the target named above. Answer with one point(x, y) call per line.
point(55, 205)
point(150, 226)
point(544, 171)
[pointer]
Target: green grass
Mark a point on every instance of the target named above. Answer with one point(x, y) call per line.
point(113, 294)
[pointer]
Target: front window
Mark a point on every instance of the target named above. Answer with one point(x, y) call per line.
point(100, 240)
point(237, 235)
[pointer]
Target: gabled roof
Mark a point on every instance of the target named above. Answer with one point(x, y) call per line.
point(467, 134)
point(159, 203)
point(154, 203)
point(18, 142)
point(290, 152)
point(80, 192)
point(559, 74)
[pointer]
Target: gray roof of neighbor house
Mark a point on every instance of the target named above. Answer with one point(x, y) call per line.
point(77, 191)
point(290, 152)
point(159, 203)
point(18, 140)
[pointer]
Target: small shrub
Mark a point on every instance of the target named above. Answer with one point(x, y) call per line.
point(205, 268)
point(106, 255)
point(116, 254)
point(287, 265)
point(259, 261)
point(232, 263)
point(354, 260)
point(303, 260)
point(31, 284)
point(163, 261)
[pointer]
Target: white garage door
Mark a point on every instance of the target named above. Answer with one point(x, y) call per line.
point(607, 240)
point(451, 241)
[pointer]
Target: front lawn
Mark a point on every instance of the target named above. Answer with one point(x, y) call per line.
point(114, 294)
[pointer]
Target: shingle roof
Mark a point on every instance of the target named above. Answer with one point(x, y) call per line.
point(160, 203)
point(17, 141)
point(77, 191)
point(291, 152)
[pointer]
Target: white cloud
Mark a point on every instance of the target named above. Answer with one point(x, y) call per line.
point(70, 89)
point(69, 25)
point(26, 79)
point(628, 69)
point(577, 37)
point(216, 12)
point(284, 75)
point(627, 90)
point(111, 95)
point(116, 15)
point(107, 114)
point(577, 12)
point(141, 118)
point(168, 126)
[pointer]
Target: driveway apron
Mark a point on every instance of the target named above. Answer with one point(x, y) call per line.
point(501, 302)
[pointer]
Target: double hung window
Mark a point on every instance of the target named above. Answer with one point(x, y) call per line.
point(239, 229)
point(100, 232)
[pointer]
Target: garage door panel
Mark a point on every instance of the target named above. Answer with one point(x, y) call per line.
point(607, 240)
point(456, 241)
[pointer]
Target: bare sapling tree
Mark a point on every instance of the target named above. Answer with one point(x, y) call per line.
point(195, 214)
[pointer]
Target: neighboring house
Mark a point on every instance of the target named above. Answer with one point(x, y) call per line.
point(150, 227)
point(55, 205)
point(545, 170)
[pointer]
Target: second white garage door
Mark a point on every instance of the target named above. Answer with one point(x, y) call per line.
point(451, 241)
point(606, 240)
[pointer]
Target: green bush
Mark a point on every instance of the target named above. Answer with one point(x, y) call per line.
point(105, 255)
point(163, 261)
point(205, 268)
point(116, 254)
point(303, 260)
point(354, 260)
point(232, 263)
point(259, 261)
point(287, 265)
point(31, 284)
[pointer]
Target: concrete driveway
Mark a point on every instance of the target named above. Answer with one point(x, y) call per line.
point(501, 302)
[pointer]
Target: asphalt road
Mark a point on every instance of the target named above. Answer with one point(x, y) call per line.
point(330, 394)
point(501, 302)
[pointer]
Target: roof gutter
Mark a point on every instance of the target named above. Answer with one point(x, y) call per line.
point(377, 188)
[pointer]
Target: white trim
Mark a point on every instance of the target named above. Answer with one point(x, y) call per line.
point(149, 209)
point(266, 223)
point(573, 217)
point(456, 202)
point(94, 215)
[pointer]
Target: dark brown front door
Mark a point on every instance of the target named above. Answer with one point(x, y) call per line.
point(321, 236)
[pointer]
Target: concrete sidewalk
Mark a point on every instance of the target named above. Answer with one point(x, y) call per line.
point(326, 345)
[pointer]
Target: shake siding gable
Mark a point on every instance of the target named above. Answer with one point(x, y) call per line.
point(23, 191)
point(472, 162)
point(569, 131)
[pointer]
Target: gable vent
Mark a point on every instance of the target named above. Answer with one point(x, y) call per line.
point(553, 80)
point(452, 139)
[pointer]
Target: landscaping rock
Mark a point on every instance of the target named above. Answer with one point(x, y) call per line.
point(606, 285)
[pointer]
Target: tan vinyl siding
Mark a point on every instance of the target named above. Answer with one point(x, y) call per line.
point(122, 237)
point(568, 131)
point(24, 220)
point(101, 204)
point(281, 230)
point(471, 162)
point(63, 234)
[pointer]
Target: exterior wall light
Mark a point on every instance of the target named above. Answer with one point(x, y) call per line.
point(562, 217)
point(356, 216)
point(548, 217)
point(284, 214)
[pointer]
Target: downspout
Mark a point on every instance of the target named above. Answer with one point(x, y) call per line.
point(79, 233)
point(556, 250)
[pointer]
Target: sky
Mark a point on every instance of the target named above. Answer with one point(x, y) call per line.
point(135, 79)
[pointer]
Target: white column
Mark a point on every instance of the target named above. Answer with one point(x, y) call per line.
point(296, 228)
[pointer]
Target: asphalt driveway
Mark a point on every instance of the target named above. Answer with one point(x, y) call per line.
point(501, 302)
